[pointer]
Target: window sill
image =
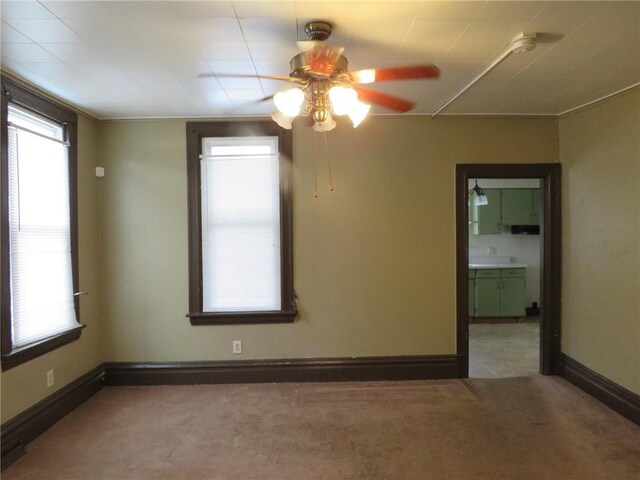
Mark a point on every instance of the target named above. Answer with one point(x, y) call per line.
point(241, 318)
point(21, 355)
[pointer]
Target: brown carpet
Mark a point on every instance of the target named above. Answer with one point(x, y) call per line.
point(517, 428)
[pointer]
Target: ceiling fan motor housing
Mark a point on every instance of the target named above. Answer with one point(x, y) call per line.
point(300, 65)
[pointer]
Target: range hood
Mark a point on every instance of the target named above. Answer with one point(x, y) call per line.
point(525, 229)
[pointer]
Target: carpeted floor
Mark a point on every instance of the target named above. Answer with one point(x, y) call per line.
point(517, 428)
point(498, 350)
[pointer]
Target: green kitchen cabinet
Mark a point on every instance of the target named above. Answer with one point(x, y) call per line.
point(487, 297)
point(520, 206)
point(498, 292)
point(512, 293)
point(536, 207)
point(486, 219)
point(472, 292)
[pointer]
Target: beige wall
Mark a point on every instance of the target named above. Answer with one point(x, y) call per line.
point(374, 260)
point(600, 152)
point(25, 385)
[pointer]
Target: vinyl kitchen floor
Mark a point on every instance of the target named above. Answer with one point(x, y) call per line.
point(498, 350)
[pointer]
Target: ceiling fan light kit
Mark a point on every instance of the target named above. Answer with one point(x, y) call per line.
point(325, 88)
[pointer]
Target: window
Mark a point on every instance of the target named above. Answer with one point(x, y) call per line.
point(240, 258)
point(39, 254)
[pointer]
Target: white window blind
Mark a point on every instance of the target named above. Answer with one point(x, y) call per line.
point(39, 229)
point(240, 187)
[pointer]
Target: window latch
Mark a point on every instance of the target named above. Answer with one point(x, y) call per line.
point(77, 294)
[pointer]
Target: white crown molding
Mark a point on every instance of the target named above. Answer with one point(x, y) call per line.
point(592, 103)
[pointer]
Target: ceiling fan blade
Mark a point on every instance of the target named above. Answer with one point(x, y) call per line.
point(244, 75)
point(395, 73)
point(263, 99)
point(383, 99)
point(240, 107)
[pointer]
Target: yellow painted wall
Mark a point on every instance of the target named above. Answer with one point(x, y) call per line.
point(25, 384)
point(374, 260)
point(600, 152)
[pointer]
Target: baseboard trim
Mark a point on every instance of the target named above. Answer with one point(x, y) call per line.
point(26, 426)
point(618, 398)
point(286, 370)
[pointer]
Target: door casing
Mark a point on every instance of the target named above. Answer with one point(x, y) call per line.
point(551, 255)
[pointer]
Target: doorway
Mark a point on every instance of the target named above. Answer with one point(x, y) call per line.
point(549, 176)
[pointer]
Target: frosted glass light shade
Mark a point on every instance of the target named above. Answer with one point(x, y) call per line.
point(480, 200)
point(283, 120)
point(342, 99)
point(289, 102)
point(358, 112)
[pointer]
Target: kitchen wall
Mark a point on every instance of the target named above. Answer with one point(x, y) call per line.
point(600, 152)
point(522, 248)
point(374, 260)
point(25, 384)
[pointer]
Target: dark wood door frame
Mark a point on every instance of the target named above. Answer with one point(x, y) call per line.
point(550, 230)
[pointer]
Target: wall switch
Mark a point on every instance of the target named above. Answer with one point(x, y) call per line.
point(50, 379)
point(99, 172)
point(237, 347)
point(493, 251)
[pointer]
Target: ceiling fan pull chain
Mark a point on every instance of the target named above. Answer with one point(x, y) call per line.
point(326, 151)
point(314, 158)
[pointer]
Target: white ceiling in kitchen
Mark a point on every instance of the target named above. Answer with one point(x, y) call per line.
point(142, 59)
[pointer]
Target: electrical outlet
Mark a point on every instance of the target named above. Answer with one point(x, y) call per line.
point(50, 379)
point(237, 347)
point(493, 251)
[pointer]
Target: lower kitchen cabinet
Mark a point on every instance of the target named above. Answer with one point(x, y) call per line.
point(497, 292)
point(472, 292)
point(512, 293)
point(488, 297)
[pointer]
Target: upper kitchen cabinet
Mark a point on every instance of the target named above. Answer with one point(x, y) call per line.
point(487, 218)
point(520, 206)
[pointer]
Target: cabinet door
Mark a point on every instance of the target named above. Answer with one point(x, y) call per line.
point(487, 218)
point(517, 206)
point(537, 208)
point(512, 297)
point(488, 297)
point(472, 297)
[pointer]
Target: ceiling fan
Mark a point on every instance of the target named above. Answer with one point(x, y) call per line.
point(325, 87)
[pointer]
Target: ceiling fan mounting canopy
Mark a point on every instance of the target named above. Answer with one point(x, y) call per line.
point(318, 30)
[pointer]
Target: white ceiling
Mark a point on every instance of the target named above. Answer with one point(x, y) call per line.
point(142, 59)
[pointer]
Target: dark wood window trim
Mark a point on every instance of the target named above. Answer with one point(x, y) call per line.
point(550, 231)
point(19, 95)
point(196, 131)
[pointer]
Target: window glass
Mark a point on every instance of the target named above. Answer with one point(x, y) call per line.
point(41, 274)
point(240, 204)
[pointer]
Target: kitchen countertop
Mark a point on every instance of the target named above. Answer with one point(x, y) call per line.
point(484, 266)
